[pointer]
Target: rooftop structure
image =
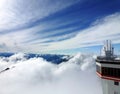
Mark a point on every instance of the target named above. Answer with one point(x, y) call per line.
point(108, 69)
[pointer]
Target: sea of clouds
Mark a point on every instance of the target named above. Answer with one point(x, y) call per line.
point(38, 76)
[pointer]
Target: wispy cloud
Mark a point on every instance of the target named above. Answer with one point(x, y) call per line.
point(44, 25)
point(106, 28)
point(19, 13)
point(100, 30)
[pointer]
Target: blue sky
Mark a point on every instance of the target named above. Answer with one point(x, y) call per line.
point(58, 26)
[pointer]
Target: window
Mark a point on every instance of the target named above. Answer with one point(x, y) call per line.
point(98, 68)
point(116, 83)
point(112, 72)
point(116, 92)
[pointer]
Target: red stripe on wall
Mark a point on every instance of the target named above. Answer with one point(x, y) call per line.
point(107, 77)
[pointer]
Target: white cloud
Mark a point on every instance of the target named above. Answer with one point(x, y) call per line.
point(25, 40)
point(37, 76)
point(13, 40)
point(106, 28)
point(15, 13)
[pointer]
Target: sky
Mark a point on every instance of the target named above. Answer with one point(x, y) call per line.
point(58, 26)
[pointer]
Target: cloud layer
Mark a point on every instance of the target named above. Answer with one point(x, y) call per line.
point(35, 76)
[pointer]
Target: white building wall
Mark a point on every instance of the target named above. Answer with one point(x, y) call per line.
point(108, 65)
point(109, 87)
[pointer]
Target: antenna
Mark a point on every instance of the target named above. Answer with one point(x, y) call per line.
point(108, 49)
